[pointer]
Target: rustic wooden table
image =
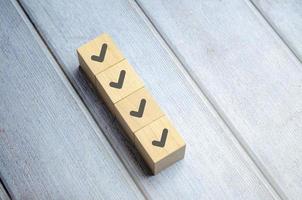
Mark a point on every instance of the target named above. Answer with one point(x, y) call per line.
point(228, 74)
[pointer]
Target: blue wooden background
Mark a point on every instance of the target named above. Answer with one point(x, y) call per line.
point(228, 74)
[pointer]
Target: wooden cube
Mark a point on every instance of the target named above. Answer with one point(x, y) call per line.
point(124, 93)
point(98, 55)
point(160, 144)
point(136, 111)
point(117, 82)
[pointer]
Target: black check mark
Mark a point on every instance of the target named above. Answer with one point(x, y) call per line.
point(141, 109)
point(101, 57)
point(120, 82)
point(163, 139)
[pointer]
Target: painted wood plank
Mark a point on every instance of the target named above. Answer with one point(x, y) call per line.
point(247, 72)
point(286, 18)
point(215, 166)
point(3, 193)
point(49, 148)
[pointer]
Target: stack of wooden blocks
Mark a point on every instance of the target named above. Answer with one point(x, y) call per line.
point(127, 98)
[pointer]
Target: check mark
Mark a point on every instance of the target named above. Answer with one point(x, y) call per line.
point(140, 111)
point(119, 83)
point(163, 139)
point(101, 57)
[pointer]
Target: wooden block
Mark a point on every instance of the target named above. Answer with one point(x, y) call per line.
point(124, 93)
point(98, 55)
point(136, 111)
point(160, 144)
point(117, 82)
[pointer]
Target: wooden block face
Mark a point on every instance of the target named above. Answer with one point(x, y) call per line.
point(137, 110)
point(118, 81)
point(160, 144)
point(98, 55)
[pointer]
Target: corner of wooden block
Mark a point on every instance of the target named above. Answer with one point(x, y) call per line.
point(85, 68)
point(179, 154)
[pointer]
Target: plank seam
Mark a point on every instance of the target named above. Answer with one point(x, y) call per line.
point(7, 192)
point(258, 168)
point(253, 5)
point(72, 89)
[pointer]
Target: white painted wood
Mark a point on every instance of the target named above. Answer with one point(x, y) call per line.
point(215, 165)
point(49, 148)
point(286, 18)
point(3, 193)
point(247, 72)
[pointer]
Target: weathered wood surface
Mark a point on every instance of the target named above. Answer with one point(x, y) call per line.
point(247, 72)
point(286, 19)
point(215, 166)
point(50, 147)
point(3, 194)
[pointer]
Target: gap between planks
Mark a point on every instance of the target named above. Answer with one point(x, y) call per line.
point(67, 82)
point(4, 193)
point(256, 166)
point(255, 8)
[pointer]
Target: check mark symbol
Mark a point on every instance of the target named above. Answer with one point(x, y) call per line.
point(119, 83)
point(163, 139)
point(101, 57)
point(141, 109)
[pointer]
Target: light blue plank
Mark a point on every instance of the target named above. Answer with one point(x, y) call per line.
point(3, 194)
point(286, 18)
point(249, 75)
point(50, 148)
point(215, 165)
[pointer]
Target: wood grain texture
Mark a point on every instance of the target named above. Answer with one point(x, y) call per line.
point(141, 102)
point(160, 157)
point(49, 148)
point(94, 48)
point(249, 75)
point(215, 166)
point(286, 18)
point(3, 193)
point(130, 83)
